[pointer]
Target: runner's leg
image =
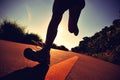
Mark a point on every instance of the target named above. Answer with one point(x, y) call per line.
point(74, 13)
point(58, 11)
point(52, 30)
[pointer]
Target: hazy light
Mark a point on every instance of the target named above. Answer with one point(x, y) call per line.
point(28, 13)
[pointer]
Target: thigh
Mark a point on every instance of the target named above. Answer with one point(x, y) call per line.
point(79, 4)
point(74, 13)
point(60, 6)
point(75, 9)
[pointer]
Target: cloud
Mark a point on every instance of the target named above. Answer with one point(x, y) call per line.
point(29, 16)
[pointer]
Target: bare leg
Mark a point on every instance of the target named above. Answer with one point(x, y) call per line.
point(52, 30)
point(59, 8)
point(43, 56)
point(74, 14)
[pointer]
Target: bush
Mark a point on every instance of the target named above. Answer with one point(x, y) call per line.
point(13, 32)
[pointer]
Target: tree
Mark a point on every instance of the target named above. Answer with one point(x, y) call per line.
point(11, 31)
point(30, 37)
point(60, 47)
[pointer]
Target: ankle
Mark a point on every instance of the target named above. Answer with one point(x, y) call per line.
point(47, 50)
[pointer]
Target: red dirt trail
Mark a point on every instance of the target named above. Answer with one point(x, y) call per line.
point(82, 68)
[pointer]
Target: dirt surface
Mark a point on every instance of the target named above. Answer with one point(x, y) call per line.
point(85, 68)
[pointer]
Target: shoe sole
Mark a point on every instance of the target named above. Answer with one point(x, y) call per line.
point(30, 54)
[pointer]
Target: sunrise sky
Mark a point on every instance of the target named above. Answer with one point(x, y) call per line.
point(36, 14)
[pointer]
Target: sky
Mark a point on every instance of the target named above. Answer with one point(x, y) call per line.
point(35, 16)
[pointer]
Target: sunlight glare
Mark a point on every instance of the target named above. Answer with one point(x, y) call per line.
point(60, 29)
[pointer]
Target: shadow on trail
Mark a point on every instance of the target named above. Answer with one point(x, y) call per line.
point(37, 72)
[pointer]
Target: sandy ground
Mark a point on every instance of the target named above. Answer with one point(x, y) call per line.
point(84, 68)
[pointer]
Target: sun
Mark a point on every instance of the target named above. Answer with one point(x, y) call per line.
point(61, 30)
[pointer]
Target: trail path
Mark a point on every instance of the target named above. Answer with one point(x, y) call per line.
point(64, 65)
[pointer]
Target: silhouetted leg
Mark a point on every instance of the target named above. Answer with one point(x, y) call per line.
point(43, 56)
point(74, 13)
point(52, 30)
point(58, 10)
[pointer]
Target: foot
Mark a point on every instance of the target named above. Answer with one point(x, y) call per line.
point(74, 30)
point(39, 56)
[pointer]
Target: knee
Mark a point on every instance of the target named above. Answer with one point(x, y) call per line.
point(82, 4)
point(52, 29)
point(57, 15)
point(56, 18)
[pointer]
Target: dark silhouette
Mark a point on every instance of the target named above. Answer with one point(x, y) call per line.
point(59, 7)
point(37, 72)
point(31, 36)
point(11, 31)
point(60, 47)
point(105, 41)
